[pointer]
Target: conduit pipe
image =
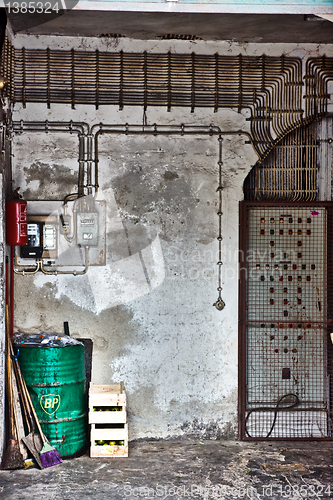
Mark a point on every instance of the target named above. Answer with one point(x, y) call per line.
point(270, 86)
point(182, 130)
point(75, 273)
point(85, 157)
point(82, 129)
point(155, 130)
point(27, 272)
point(40, 267)
point(88, 137)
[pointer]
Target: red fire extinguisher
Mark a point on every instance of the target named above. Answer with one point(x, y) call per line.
point(16, 221)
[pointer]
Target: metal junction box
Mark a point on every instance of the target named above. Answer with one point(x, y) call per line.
point(87, 229)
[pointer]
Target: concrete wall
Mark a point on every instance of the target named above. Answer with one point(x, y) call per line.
point(149, 310)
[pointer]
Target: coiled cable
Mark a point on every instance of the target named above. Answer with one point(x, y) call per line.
point(276, 409)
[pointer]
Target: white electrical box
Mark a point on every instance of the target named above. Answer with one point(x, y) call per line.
point(87, 228)
point(49, 237)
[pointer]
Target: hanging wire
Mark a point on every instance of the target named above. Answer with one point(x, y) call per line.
point(219, 304)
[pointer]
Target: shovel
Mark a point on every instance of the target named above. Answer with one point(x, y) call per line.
point(32, 441)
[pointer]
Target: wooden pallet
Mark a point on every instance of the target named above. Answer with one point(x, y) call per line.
point(108, 420)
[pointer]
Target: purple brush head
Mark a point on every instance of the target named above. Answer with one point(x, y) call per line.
point(50, 458)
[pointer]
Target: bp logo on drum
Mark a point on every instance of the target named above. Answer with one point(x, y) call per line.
point(50, 403)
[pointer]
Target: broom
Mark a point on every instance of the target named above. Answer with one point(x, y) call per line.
point(12, 458)
point(48, 455)
point(31, 439)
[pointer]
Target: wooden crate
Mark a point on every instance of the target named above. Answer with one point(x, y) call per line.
point(106, 424)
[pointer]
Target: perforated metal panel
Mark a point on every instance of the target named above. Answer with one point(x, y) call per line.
point(286, 391)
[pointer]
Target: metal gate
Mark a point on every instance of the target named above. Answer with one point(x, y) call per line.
point(285, 349)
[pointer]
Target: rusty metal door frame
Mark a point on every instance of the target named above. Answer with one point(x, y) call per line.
point(242, 335)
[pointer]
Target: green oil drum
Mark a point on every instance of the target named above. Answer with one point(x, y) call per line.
point(55, 377)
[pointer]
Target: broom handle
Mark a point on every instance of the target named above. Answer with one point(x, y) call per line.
point(34, 412)
point(28, 397)
point(12, 433)
point(25, 403)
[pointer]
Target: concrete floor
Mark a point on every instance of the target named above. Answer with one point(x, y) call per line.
point(184, 469)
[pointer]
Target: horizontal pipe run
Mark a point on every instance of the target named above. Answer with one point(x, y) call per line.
point(75, 273)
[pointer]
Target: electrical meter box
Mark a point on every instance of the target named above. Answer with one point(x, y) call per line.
point(34, 248)
point(42, 237)
point(87, 228)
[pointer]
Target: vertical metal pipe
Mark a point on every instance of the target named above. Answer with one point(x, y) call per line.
point(12, 260)
point(48, 57)
point(97, 79)
point(73, 77)
point(240, 82)
point(121, 80)
point(169, 82)
point(81, 166)
point(89, 160)
point(145, 80)
point(24, 78)
point(216, 106)
point(192, 82)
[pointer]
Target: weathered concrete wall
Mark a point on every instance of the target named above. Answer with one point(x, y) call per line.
point(149, 311)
